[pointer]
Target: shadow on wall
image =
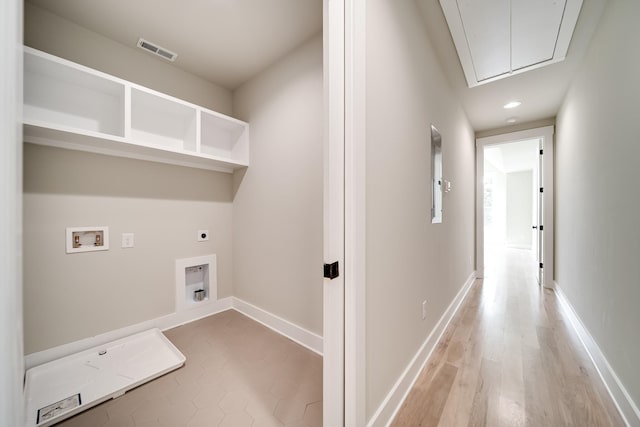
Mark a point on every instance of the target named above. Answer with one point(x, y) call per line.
point(50, 170)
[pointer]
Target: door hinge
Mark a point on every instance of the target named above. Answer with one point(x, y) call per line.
point(541, 227)
point(541, 152)
point(331, 271)
point(542, 189)
point(541, 265)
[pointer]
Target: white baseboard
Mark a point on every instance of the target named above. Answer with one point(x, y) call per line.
point(163, 323)
point(391, 404)
point(626, 406)
point(294, 332)
point(518, 246)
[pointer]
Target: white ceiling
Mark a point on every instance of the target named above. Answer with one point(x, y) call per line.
point(224, 41)
point(541, 91)
point(229, 41)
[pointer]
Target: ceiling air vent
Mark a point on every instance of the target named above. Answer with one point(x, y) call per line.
point(157, 50)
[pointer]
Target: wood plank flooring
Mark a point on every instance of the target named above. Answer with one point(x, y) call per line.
point(509, 358)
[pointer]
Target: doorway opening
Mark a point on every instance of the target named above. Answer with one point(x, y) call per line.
point(514, 203)
point(510, 200)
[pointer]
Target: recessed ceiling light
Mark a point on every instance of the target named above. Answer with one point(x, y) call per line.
point(512, 104)
point(512, 120)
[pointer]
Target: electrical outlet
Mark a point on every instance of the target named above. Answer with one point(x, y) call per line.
point(203, 235)
point(424, 309)
point(128, 240)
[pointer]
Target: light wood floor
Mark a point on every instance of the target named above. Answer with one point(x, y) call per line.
point(509, 358)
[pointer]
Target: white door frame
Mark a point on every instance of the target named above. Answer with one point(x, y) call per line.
point(344, 297)
point(334, 150)
point(355, 212)
point(546, 133)
point(11, 336)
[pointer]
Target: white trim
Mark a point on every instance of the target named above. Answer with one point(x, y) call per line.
point(546, 134)
point(355, 214)
point(626, 406)
point(393, 401)
point(282, 326)
point(522, 135)
point(334, 210)
point(11, 324)
point(163, 323)
point(285, 328)
point(519, 246)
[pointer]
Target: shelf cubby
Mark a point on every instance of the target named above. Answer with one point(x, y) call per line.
point(75, 107)
point(162, 122)
point(68, 97)
point(225, 138)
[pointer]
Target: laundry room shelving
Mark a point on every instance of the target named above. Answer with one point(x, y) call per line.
point(71, 106)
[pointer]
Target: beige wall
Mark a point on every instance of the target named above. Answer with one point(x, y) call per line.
point(277, 210)
point(276, 215)
point(408, 258)
point(74, 296)
point(598, 202)
point(70, 297)
point(50, 33)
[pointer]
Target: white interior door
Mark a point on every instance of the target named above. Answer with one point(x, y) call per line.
point(539, 226)
point(545, 229)
point(334, 232)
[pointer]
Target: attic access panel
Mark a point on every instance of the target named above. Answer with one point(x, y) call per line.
point(498, 38)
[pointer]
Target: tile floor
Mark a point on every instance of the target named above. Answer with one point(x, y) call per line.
point(238, 373)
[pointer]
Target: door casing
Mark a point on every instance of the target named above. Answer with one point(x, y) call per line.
point(333, 206)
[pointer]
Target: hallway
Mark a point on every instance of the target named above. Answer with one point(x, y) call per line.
point(509, 358)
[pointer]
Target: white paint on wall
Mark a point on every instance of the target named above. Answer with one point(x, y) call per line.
point(495, 206)
point(277, 206)
point(598, 202)
point(519, 200)
point(508, 179)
